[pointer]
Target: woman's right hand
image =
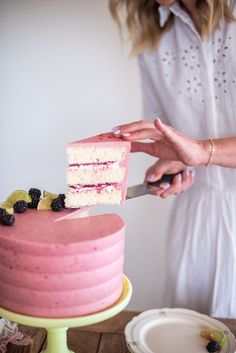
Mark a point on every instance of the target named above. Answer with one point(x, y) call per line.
point(181, 182)
point(167, 143)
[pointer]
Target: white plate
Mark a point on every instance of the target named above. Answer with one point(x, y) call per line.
point(173, 331)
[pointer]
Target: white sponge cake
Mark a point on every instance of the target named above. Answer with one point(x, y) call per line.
point(97, 172)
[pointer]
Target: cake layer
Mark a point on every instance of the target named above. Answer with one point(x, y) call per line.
point(52, 281)
point(95, 174)
point(55, 265)
point(100, 148)
point(62, 298)
point(72, 263)
point(51, 233)
point(93, 196)
point(60, 312)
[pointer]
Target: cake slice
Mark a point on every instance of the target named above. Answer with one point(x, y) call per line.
point(97, 171)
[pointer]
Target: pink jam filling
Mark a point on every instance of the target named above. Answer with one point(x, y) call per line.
point(89, 187)
point(92, 164)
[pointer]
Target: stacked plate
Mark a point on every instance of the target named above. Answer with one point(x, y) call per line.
point(173, 331)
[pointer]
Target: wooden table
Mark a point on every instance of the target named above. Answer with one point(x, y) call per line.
point(105, 337)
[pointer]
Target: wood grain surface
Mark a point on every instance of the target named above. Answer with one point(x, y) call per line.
point(105, 337)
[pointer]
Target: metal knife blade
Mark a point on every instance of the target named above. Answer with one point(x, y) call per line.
point(143, 189)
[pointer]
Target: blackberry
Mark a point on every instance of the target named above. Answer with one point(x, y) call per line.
point(20, 206)
point(62, 198)
point(7, 219)
point(34, 202)
point(213, 346)
point(57, 204)
point(35, 193)
point(2, 212)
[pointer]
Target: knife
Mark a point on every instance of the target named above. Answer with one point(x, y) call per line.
point(143, 189)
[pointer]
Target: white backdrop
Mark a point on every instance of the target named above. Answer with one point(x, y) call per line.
point(64, 76)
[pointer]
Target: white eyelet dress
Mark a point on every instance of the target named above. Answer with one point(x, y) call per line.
point(190, 83)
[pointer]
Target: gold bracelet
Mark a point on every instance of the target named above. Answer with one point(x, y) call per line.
point(213, 148)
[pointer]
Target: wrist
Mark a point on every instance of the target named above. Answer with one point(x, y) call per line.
point(207, 152)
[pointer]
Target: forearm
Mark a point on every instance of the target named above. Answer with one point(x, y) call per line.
point(224, 154)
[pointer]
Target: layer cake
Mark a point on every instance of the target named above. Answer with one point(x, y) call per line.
point(57, 265)
point(97, 172)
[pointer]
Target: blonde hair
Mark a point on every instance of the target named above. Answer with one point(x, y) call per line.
point(142, 19)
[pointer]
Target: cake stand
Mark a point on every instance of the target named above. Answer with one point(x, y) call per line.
point(57, 328)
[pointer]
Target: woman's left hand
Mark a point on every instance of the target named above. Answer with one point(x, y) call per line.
point(168, 143)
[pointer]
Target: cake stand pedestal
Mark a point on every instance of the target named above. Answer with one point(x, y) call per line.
point(57, 328)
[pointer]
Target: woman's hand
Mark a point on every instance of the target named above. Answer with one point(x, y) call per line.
point(168, 143)
point(181, 182)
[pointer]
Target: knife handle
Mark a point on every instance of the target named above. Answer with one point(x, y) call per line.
point(166, 178)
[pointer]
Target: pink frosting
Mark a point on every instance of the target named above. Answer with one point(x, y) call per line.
point(59, 312)
point(52, 265)
point(107, 138)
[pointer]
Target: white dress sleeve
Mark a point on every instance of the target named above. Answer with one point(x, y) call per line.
point(232, 6)
point(152, 106)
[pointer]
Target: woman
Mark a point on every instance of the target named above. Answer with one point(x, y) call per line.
point(188, 71)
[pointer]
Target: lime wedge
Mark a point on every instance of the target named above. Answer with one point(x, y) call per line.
point(18, 195)
point(44, 204)
point(51, 195)
point(214, 335)
point(7, 207)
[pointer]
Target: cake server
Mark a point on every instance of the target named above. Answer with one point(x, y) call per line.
point(143, 189)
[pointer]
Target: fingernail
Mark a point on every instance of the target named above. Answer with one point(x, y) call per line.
point(193, 172)
point(126, 134)
point(165, 186)
point(151, 177)
point(180, 177)
point(157, 119)
point(116, 131)
point(188, 170)
point(115, 128)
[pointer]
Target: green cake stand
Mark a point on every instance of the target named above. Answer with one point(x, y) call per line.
point(57, 328)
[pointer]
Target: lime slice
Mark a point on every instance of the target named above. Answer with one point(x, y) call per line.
point(7, 207)
point(18, 195)
point(212, 334)
point(51, 195)
point(44, 204)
